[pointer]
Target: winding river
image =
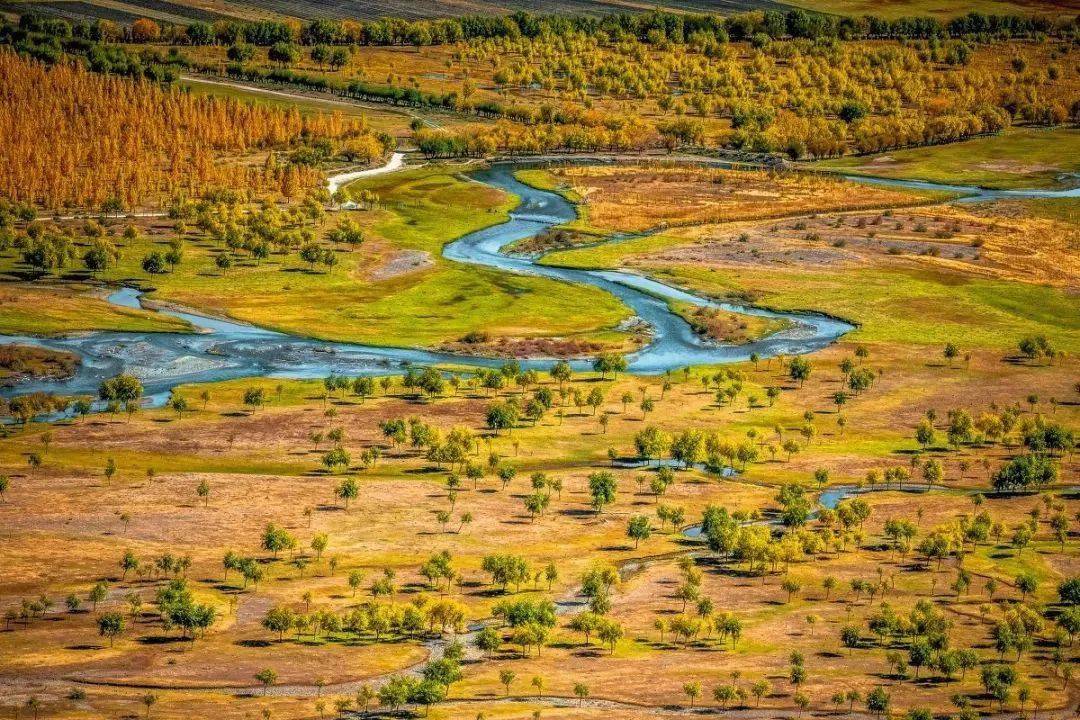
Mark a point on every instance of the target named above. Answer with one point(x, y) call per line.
point(225, 349)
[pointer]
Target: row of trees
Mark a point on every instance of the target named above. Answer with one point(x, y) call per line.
point(656, 27)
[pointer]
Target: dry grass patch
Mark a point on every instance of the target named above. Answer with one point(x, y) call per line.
point(985, 240)
point(637, 198)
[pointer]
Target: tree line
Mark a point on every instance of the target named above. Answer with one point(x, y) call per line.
point(656, 27)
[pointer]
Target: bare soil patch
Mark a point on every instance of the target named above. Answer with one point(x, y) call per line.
point(400, 263)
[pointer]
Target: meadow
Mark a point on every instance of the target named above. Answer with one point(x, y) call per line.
point(375, 294)
point(634, 199)
point(926, 275)
point(65, 308)
point(263, 466)
point(380, 118)
point(1015, 159)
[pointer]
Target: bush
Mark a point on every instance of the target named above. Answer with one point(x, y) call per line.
point(1026, 472)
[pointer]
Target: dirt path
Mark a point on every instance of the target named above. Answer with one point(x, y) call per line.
point(334, 182)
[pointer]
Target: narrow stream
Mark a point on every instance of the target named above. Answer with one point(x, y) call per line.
point(829, 498)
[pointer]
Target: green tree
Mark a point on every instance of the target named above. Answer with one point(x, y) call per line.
point(280, 620)
point(337, 459)
point(224, 262)
point(692, 690)
point(951, 352)
point(799, 369)
point(121, 388)
point(149, 700)
point(128, 563)
point(1027, 583)
point(97, 594)
point(203, 491)
point(275, 539)
point(638, 528)
point(111, 625)
point(602, 489)
point(849, 636)
point(877, 702)
point(254, 398)
point(506, 677)
point(266, 677)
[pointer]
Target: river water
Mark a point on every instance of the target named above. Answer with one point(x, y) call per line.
point(224, 349)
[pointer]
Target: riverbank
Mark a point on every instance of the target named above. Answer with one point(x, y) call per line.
point(27, 362)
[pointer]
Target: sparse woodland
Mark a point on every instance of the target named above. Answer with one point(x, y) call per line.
point(797, 97)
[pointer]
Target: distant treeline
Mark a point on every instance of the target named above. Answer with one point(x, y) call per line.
point(98, 56)
point(164, 66)
point(655, 27)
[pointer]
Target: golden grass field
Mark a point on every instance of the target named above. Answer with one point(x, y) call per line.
point(261, 468)
point(983, 274)
point(640, 198)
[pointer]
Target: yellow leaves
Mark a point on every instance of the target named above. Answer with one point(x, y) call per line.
point(71, 137)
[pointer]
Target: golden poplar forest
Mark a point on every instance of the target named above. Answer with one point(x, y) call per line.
point(113, 137)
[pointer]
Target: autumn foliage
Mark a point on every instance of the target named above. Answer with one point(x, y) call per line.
point(72, 138)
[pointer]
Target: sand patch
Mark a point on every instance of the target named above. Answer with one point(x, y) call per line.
point(402, 263)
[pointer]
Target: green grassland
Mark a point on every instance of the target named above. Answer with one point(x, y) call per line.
point(922, 307)
point(380, 118)
point(422, 210)
point(1019, 158)
point(313, 105)
point(544, 180)
point(919, 307)
point(432, 209)
point(30, 309)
